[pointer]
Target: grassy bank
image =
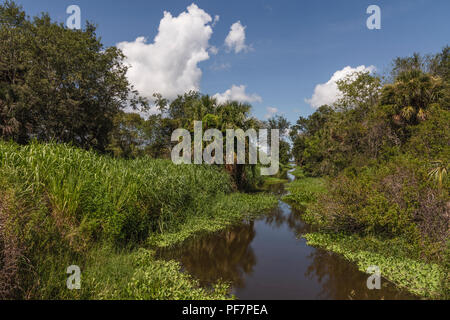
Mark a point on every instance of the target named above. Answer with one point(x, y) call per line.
point(304, 190)
point(397, 260)
point(62, 206)
point(225, 211)
point(402, 260)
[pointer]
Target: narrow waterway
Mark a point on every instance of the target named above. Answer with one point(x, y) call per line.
point(268, 259)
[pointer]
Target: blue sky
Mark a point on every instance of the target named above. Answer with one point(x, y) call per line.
point(295, 45)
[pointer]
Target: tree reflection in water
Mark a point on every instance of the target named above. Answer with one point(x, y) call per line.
point(341, 280)
point(226, 255)
point(229, 256)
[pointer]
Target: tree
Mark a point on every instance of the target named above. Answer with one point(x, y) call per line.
point(59, 84)
point(305, 128)
point(282, 124)
point(439, 64)
point(359, 91)
point(412, 93)
point(406, 64)
point(128, 137)
point(439, 172)
point(285, 152)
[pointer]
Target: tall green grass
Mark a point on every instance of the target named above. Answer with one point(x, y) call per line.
point(62, 206)
point(105, 198)
point(304, 190)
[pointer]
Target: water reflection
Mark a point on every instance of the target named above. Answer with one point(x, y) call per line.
point(342, 280)
point(226, 255)
point(267, 259)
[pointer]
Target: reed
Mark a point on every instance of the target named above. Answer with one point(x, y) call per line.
point(112, 199)
point(62, 206)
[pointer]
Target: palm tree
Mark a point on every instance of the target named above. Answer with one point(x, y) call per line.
point(439, 172)
point(421, 115)
point(407, 112)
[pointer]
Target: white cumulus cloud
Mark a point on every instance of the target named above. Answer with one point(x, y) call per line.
point(169, 64)
point(235, 39)
point(328, 93)
point(270, 112)
point(237, 93)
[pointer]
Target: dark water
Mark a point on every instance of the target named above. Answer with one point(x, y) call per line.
point(267, 259)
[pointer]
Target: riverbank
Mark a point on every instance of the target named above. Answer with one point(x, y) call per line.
point(392, 256)
point(400, 261)
point(266, 258)
point(62, 206)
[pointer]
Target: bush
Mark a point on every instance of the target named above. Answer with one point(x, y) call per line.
point(62, 206)
point(57, 201)
point(396, 259)
point(389, 200)
point(304, 190)
point(161, 280)
point(97, 197)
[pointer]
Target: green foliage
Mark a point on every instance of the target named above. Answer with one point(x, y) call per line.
point(118, 200)
point(396, 259)
point(58, 84)
point(393, 199)
point(59, 204)
point(128, 137)
point(282, 124)
point(304, 190)
point(285, 153)
point(429, 139)
point(386, 151)
point(133, 136)
point(371, 121)
point(439, 172)
point(111, 275)
point(298, 173)
point(226, 210)
point(162, 280)
point(360, 91)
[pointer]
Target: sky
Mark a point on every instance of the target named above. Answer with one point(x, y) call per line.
point(283, 57)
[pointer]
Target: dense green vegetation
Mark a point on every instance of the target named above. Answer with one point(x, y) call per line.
point(105, 208)
point(384, 149)
point(59, 84)
point(84, 98)
point(63, 206)
point(304, 190)
point(397, 259)
point(82, 182)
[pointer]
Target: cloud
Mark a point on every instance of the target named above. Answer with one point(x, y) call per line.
point(220, 66)
point(237, 93)
point(270, 112)
point(213, 50)
point(328, 93)
point(235, 39)
point(216, 20)
point(169, 65)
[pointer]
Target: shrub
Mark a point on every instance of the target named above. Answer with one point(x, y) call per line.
point(390, 200)
point(57, 201)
